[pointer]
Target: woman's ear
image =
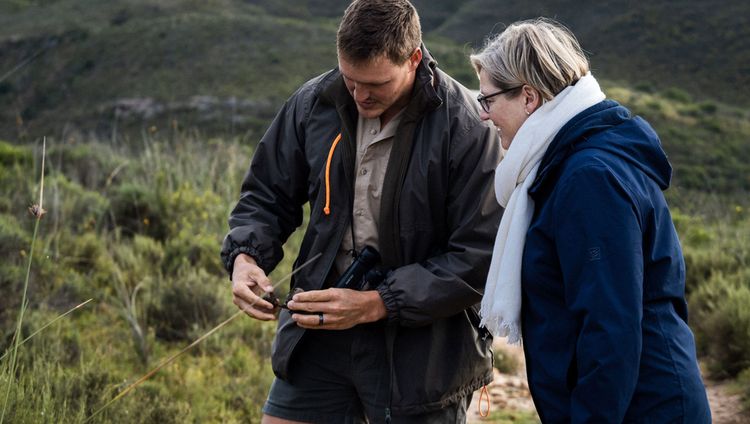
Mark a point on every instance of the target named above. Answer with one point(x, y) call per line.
point(532, 98)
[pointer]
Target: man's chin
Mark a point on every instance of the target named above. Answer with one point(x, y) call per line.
point(369, 113)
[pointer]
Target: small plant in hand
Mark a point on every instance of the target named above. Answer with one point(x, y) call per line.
point(274, 300)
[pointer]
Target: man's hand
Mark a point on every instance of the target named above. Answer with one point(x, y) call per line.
point(341, 308)
point(249, 283)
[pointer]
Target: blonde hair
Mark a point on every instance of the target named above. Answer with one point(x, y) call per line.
point(541, 53)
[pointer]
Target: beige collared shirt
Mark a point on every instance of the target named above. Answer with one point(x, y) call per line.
point(373, 150)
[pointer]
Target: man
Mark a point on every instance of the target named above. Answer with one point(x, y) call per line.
point(391, 154)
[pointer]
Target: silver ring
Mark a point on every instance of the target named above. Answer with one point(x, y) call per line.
point(321, 321)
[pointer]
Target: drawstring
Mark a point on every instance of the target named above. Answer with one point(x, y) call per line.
point(486, 396)
point(327, 208)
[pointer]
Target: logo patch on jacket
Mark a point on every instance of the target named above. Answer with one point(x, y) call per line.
point(594, 254)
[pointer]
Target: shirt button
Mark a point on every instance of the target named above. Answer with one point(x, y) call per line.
point(373, 131)
point(360, 212)
point(363, 171)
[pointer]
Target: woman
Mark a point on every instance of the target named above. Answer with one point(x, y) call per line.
point(586, 248)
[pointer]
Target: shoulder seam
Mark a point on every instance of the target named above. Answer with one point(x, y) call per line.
point(603, 167)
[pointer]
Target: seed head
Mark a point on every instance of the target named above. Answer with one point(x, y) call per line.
point(37, 211)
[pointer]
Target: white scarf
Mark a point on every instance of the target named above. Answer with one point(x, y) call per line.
point(501, 304)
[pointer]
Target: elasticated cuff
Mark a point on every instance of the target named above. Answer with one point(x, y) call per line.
point(248, 250)
point(391, 305)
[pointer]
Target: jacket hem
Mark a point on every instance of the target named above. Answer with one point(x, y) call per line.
point(453, 398)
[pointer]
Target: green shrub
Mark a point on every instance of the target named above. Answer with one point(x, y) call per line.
point(14, 245)
point(198, 251)
point(11, 284)
point(91, 165)
point(185, 305)
point(11, 155)
point(150, 252)
point(13, 239)
point(689, 109)
point(136, 259)
point(190, 210)
point(720, 318)
point(644, 87)
point(138, 209)
point(708, 107)
point(505, 362)
point(79, 208)
point(677, 94)
point(702, 264)
point(84, 251)
point(16, 178)
point(195, 223)
point(655, 106)
point(249, 378)
point(716, 248)
point(712, 124)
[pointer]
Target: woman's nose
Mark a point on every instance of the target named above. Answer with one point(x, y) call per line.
point(484, 115)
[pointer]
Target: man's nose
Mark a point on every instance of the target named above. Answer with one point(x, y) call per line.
point(360, 93)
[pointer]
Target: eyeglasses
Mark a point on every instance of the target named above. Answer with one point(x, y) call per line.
point(482, 99)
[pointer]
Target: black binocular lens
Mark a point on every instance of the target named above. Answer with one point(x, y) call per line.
point(354, 276)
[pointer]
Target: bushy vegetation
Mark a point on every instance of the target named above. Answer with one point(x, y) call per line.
point(717, 256)
point(505, 361)
point(139, 233)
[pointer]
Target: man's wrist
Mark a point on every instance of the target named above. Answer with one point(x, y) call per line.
point(375, 306)
point(244, 257)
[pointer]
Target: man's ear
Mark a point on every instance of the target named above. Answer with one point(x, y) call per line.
point(415, 58)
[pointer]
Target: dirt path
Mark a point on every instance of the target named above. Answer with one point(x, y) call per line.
point(726, 408)
point(511, 392)
point(507, 392)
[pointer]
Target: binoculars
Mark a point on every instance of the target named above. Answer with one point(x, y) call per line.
point(362, 271)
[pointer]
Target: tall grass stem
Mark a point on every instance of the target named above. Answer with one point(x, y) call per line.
point(24, 300)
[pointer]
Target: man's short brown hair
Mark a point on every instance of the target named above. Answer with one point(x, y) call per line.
point(371, 28)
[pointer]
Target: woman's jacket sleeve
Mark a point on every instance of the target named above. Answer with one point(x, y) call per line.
point(598, 238)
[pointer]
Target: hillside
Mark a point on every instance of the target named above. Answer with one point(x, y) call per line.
point(701, 47)
point(225, 65)
point(116, 70)
point(120, 65)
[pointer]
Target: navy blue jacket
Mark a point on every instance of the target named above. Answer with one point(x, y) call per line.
point(604, 312)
